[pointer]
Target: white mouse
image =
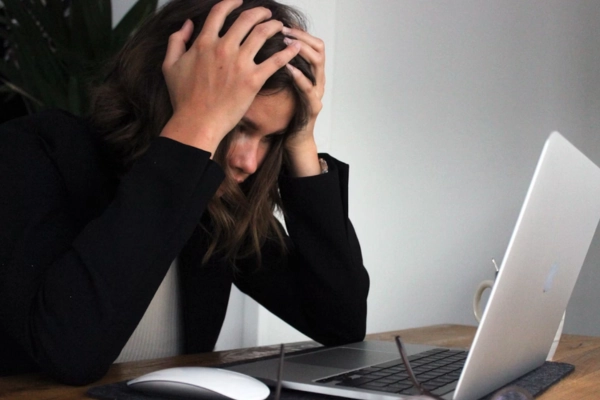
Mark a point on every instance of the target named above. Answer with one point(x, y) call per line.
point(201, 383)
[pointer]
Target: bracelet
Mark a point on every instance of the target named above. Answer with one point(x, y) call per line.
point(324, 166)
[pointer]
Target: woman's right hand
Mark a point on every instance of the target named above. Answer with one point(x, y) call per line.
point(213, 84)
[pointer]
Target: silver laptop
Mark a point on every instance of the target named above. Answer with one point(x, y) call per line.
point(543, 259)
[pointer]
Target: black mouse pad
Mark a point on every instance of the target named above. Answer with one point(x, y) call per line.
point(535, 382)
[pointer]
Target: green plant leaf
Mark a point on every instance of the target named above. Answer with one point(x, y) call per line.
point(37, 85)
point(52, 17)
point(136, 15)
point(14, 11)
point(39, 62)
point(9, 87)
point(79, 39)
point(6, 70)
point(54, 52)
point(97, 21)
point(36, 64)
point(6, 91)
point(74, 95)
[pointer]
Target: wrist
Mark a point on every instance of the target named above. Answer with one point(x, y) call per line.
point(189, 131)
point(304, 160)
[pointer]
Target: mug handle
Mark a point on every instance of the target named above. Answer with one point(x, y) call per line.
point(477, 298)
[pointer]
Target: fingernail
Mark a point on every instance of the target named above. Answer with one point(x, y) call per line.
point(290, 68)
point(287, 40)
point(285, 30)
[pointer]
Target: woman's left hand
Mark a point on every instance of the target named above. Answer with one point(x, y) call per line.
point(301, 148)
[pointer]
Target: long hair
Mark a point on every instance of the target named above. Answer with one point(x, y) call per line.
point(131, 107)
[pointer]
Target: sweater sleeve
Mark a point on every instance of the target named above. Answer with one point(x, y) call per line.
point(71, 293)
point(320, 286)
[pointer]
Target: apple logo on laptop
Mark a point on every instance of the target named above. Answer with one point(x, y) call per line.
point(550, 277)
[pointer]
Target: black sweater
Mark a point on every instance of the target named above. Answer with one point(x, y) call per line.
point(82, 251)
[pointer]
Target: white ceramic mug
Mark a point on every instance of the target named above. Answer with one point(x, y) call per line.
point(556, 339)
point(488, 284)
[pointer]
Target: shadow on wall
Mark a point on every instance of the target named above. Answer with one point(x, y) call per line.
point(582, 314)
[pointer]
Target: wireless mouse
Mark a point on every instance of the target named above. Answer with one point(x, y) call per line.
point(201, 383)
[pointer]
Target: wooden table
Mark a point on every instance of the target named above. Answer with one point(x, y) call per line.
point(581, 351)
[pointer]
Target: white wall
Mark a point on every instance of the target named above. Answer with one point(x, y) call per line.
point(448, 104)
point(441, 108)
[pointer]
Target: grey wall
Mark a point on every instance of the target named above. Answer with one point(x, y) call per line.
point(442, 108)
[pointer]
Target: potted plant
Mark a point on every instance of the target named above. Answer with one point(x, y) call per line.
point(54, 49)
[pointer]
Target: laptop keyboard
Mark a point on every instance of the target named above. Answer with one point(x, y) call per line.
point(437, 370)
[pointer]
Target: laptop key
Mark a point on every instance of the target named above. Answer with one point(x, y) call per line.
point(445, 389)
point(411, 391)
point(434, 384)
point(397, 387)
point(427, 377)
point(354, 382)
point(388, 380)
point(447, 379)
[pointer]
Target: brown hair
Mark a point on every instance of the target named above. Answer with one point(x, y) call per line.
point(131, 107)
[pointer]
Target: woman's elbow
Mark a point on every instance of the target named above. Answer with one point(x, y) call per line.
point(75, 367)
point(350, 327)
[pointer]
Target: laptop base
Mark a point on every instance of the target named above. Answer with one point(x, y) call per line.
point(535, 382)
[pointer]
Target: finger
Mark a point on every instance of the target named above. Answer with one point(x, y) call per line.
point(259, 35)
point(216, 17)
point(313, 57)
point(245, 23)
point(313, 51)
point(304, 84)
point(317, 64)
point(313, 94)
point(176, 46)
point(277, 61)
point(307, 38)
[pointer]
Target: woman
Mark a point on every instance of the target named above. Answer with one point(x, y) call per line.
point(202, 129)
